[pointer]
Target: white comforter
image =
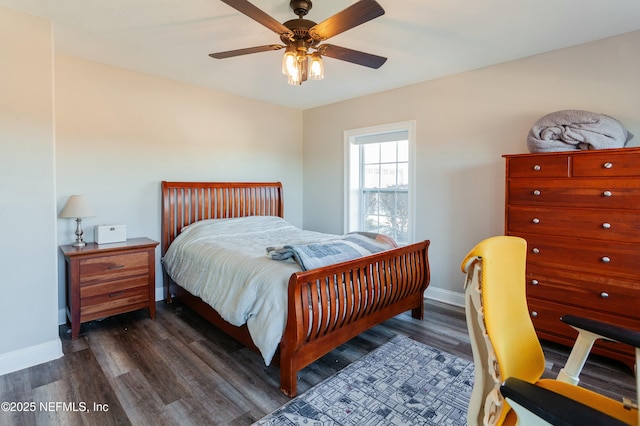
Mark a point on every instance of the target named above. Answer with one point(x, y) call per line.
point(224, 262)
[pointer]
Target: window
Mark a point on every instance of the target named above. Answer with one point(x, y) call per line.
point(379, 191)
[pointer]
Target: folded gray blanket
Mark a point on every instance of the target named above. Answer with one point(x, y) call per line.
point(574, 129)
point(316, 255)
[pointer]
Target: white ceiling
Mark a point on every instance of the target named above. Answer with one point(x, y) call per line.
point(422, 40)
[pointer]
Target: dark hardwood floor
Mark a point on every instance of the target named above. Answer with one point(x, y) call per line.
point(177, 369)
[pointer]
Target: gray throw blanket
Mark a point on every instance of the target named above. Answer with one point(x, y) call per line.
point(316, 255)
point(574, 129)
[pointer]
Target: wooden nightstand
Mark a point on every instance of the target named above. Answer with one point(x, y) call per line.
point(109, 279)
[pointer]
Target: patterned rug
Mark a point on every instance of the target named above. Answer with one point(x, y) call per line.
point(403, 382)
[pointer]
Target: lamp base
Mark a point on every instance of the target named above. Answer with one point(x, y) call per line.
point(79, 240)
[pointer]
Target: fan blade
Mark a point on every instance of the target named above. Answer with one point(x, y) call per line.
point(353, 56)
point(356, 14)
point(259, 16)
point(247, 51)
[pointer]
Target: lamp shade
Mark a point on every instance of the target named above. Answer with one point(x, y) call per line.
point(77, 206)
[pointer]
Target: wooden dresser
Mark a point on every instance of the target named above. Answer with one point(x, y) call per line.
point(109, 279)
point(580, 214)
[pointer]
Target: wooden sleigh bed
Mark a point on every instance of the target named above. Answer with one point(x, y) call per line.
point(326, 306)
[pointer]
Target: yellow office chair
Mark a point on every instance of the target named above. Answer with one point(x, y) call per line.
point(505, 346)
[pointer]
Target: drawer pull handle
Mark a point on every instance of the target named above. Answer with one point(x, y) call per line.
point(535, 220)
point(537, 167)
point(606, 225)
point(607, 165)
point(537, 192)
point(604, 295)
point(607, 193)
point(116, 294)
point(115, 267)
point(535, 250)
point(605, 259)
point(534, 282)
point(534, 314)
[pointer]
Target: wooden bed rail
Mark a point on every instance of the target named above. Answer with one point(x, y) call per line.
point(331, 305)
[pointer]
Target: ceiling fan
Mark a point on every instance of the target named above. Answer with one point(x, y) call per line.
point(304, 39)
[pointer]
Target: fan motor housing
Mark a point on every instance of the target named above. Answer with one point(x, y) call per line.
point(300, 7)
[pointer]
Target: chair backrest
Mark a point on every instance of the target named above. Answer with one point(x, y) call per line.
point(503, 339)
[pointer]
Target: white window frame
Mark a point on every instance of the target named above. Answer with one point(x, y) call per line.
point(352, 171)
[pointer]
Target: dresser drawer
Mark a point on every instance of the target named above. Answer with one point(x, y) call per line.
point(115, 302)
point(546, 320)
point(604, 224)
point(113, 267)
point(597, 293)
point(606, 164)
point(538, 166)
point(596, 193)
point(598, 257)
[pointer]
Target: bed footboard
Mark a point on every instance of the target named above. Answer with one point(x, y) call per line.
point(331, 305)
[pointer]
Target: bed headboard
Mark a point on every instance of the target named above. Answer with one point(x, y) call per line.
point(186, 202)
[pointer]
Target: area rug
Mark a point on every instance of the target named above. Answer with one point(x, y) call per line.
point(403, 382)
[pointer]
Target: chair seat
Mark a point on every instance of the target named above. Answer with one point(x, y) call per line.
point(602, 403)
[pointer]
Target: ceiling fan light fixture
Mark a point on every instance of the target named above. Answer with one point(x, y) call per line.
point(300, 35)
point(316, 68)
point(299, 73)
point(289, 60)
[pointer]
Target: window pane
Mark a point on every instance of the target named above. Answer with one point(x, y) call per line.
point(371, 223)
point(403, 151)
point(372, 176)
point(371, 205)
point(388, 152)
point(371, 153)
point(403, 175)
point(388, 175)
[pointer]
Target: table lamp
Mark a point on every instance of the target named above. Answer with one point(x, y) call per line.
point(77, 207)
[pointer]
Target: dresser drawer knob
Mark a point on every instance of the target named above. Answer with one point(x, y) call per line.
point(535, 220)
point(607, 165)
point(607, 193)
point(537, 192)
point(534, 314)
point(604, 295)
point(535, 250)
point(116, 294)
point(115, 267)
point(535, 282)
point(537, 167)
point(606, 225)
point(605, 259)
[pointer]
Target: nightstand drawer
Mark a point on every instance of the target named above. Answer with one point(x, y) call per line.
point(113, 267)
point(111, 288)
point(106, 304)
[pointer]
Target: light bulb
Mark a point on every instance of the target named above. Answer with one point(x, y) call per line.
point(317, 67)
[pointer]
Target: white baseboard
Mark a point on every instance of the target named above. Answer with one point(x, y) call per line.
point(445, 296)
point(30, 356)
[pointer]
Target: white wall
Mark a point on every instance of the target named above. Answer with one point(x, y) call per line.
point(28, 306)
point(119, 133)
point(464, 124)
